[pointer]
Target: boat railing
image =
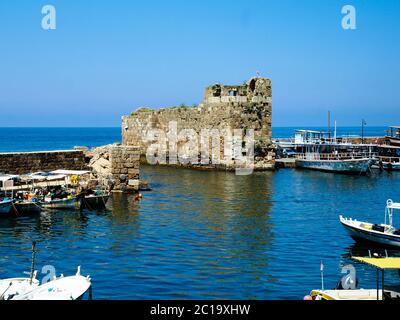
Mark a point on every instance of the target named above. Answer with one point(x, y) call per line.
point(336, 156)
point(389, 159)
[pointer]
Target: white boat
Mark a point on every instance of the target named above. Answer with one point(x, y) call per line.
point(317, 162)
point(12, 287)
point(393, 136)
point(385, 234)
point(62, 288)
point(5, 206)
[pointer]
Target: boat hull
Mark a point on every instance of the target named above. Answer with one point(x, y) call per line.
point(359, 233)
point(26, 208)
point(393, 141)
point(95, 202)
point(353, 166)
point(391, 166)
point(64, 204)
point(6, 207)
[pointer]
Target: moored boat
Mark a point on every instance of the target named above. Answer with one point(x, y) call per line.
point(393, 136)
point(5, 206)
point(27, 207)
point(349, 166)
point(10, 288)
point(62, 288)
point(347, 287)
point(72, 203)
point(95, 202)
point(384, 234)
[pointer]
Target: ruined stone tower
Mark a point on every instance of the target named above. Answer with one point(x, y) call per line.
point(247, 106)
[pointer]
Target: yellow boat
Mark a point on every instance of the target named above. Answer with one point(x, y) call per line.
point(381, 264)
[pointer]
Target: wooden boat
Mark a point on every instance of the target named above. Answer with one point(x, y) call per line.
point(5, 206)
point(95, 202)
point(27, 207)
point(10, 288)
point(381, 264)
point(72, 203)
point(384, 234)
point(62, 288)
point(331, 163)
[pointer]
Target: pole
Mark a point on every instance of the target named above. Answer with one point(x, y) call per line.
point(322, 275)
point(362, 131)
point(33, 260)
point(377, 284)
point(329, 124)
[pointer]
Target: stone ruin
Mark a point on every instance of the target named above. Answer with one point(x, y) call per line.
point(247, 106)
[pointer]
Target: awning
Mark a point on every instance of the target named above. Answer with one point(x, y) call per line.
point(381, 263)
point(7, 177)
point(70, 172)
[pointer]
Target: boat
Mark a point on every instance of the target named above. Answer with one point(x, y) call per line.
point(70, 203)
point(5, 206)
point(384, 234)
point(334, 163)
point(94, 199)
point(95, 202)
point(62, 288)
point(27, 207)
point(9, 288)
point(347, 289)
point(393, 136)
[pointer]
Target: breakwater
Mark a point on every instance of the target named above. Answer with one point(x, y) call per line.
point(26, 162)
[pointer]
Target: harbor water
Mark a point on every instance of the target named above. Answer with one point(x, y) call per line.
point(208, 235)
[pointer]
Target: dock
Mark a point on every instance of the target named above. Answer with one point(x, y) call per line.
point(285, 163)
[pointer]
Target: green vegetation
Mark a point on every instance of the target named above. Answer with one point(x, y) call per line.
point(143, 109)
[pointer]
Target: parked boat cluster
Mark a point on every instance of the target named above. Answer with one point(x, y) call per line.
point(320, 151)
point(46, 191)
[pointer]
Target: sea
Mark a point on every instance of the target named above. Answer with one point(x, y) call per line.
point(201, 234)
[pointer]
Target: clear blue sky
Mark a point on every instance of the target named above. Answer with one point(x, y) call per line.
point(108, 57)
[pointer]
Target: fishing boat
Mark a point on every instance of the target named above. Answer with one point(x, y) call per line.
point(334, 163)
point(10, 288)
point(70, 203)
point(95, 202)
point(62, 288)
point(27, 207)
point(384, 234)
point(346, 289)
point(5, 206)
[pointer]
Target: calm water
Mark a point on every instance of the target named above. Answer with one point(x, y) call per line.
point(201, 235)
point(206, 235)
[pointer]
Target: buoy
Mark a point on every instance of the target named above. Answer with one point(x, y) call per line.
point(307, 298)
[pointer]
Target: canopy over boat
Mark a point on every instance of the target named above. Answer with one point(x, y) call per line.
point(70, 172)
point(381, 263)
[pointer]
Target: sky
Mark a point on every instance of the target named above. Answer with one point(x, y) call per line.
point(107, 58)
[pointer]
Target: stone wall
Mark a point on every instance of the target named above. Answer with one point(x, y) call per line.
point(116, 166)
point(125, 167)
point(27, 162)
point(248, 106)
